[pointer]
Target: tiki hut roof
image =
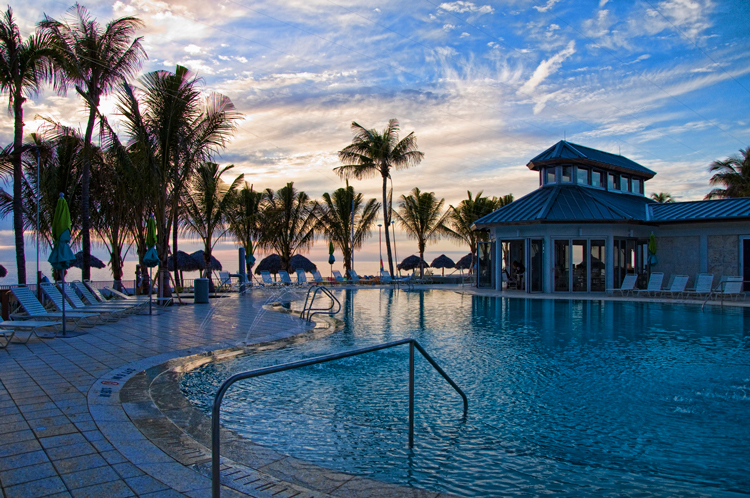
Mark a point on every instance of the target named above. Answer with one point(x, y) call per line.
point(3, 271)
point(299, 261)
point(464, 263)
point(412, 262)
point(271, 264)
point(185, 262)
point(198, 256)
point(442, 261)
point(95, 262)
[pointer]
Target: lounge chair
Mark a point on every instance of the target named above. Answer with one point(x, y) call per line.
point(338, 277)
point(54, 295)
point(386, 278)
point(88, 296)
point(627, 287)
point(301, 277)
point(35, 310)
point(285, 278)
point(729, 287)
point(317, 277)
point(677, 287)
point(704, 283)
point(30, 326)
point(354, 277)
point(225, 280)
point(124, 297)
point(267, 278)
point(654, 285)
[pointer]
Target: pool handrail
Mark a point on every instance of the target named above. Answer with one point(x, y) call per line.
point(308, 309)
point(216, 410)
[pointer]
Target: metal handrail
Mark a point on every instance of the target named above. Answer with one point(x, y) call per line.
point(216, 411)
point(312, 311)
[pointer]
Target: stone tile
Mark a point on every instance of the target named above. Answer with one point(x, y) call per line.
point(63, 440)
point(26, 474)
point(84, 478)
point(79, 463)
point(40, 487)
point(114, 489)
point(145, 484)
point(19, 447)
point(70, 450)
point(23, 460)
point(113, 456)
point(44, 431)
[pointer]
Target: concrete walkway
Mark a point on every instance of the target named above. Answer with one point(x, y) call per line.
point(49, 443)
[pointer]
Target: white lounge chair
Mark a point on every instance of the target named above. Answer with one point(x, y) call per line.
point(354, 277)
point(301, 277)
point(704, 284)
point(338, 277)
point(654, 285)
point(729, 287)
point(29, 326)
point(677, 286)
point(267, 279)
point(225, 280)
point(285, 278)
point(35, 310)
point(90, 299)
point(317, 277)
point(75, 303)
point(627, 287)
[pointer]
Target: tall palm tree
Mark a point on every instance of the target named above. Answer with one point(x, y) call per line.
point(663, 197)
point(95, 59)
point(347, 220)
point(420, 215)
point(245, 219)
point(206, 206)
point(290, 222)
point(461, 218)
point(159, 120)
point(371, 154)
point(734, 174)
point(23, 70)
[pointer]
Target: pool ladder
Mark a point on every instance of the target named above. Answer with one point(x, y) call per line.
point(308, 311)
point(216, 411)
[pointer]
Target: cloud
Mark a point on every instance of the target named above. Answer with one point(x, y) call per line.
point(193, 49)
point(547, 6)
point(546, 68)
point(461, 7)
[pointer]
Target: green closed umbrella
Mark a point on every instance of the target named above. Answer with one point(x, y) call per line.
point(331, 259)
point(250, 258)
point(61, 257)
point(151, 258)
point(652, 250)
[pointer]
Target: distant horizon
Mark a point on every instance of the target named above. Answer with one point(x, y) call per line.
point(485, 86)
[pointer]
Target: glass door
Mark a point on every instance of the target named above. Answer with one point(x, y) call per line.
point(485, 264)
point(536, 282)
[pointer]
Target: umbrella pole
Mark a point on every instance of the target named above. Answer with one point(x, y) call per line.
point(150, 289)
point(63, 301)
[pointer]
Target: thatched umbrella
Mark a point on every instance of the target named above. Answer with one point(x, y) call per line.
point(464, 263)
point(298, 261)
point(3, 271)
point(95, 262)
point(198, 256)
point(271, 264)
point(412, 262)
point(443, 262)
point(185, 262)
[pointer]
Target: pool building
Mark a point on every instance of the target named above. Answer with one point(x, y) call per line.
point(589, 222)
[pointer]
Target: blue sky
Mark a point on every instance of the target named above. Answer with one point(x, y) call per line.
point(485, 86)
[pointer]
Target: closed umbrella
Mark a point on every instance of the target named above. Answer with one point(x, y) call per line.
point(443, 262)
point(652, 250)
point(331, 258)
point(61, 257)
point(250, 258)
point(151, 258)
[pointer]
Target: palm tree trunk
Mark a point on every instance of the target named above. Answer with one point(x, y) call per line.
point(177, 279)
point(421, 258)
point(17, 195)
point(387, 224)
point(85, 197)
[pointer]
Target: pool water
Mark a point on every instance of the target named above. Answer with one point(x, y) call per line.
point(575, 398)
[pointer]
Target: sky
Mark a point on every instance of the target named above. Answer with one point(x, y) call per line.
point(484, 86)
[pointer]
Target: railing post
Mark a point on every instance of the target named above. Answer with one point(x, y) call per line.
point(411, 394)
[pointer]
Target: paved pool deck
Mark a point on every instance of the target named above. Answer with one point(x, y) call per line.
point(65, 429)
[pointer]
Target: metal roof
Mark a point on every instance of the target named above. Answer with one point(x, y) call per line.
point(720, 209)
point(569, 203)
point(562, 151)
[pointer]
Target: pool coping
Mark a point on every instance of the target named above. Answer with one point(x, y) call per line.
point(141, 411)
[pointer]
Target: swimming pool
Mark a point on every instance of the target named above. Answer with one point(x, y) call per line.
point(578, 398)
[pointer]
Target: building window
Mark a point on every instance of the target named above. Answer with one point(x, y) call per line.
point(625, 184)
point(597, 266)
point(562, 266)
point(637, 186)
point(567, 174)
point(550, 172)
point(596, 178)
point(612, 181)
point(583, 176)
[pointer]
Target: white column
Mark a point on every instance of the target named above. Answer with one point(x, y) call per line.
point(548, 261)
point(498, 262)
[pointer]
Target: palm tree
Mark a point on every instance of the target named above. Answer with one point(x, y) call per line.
point(662, 197)
point(371, 154)
point(347, 220)
point(290, 222)
point(206, 206)
point(734, 174)
point(23, 69)
point(461, 219)
point(96, 60)
point(245, 219)
point(159, 121)
point(419, 214)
